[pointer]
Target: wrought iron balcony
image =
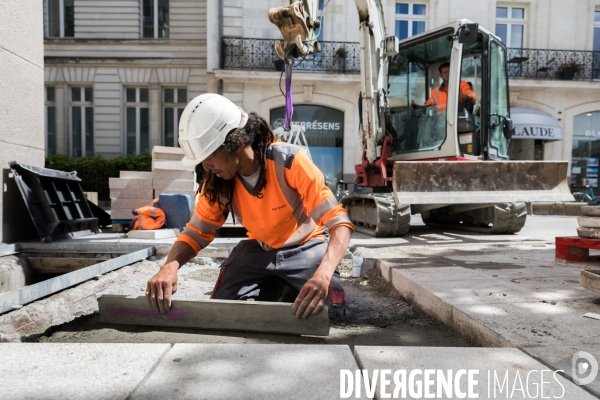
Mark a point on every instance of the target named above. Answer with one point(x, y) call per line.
point(259, 54)
point(553, 64)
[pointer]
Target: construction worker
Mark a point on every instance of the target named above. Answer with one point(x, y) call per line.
point(439, 95)
point(273, 190)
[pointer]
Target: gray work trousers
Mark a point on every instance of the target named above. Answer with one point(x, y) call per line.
point(252, 273)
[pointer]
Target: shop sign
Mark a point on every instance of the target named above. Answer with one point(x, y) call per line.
point(537, 132)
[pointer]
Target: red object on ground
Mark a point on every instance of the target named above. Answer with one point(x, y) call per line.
point(575, 248)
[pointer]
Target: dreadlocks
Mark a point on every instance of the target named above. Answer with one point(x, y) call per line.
point(258, 135)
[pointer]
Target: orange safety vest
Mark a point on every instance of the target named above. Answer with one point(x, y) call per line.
point(149, 217)
point(295, 206)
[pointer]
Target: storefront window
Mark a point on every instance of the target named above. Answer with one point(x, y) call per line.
point(324, 135)
point(586, 150)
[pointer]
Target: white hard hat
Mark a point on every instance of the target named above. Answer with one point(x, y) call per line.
point(205, 123)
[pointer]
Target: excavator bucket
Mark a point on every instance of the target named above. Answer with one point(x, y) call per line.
point(480, 182)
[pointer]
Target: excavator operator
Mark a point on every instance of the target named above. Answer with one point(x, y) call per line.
point(297, 231)
point(439, 95)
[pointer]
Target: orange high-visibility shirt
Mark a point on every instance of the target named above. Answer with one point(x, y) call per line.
point(439, 97)
point(295, 205)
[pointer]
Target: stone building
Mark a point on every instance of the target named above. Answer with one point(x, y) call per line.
point(118, 73)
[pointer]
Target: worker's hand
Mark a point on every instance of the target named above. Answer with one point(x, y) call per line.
point(414, 105)
point(161, 287)
point(311, 298)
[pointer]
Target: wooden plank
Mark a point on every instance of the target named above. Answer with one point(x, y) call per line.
point(230, 315)
point(58, 265)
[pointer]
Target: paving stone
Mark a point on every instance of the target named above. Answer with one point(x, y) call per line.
point(75, 370)
point(147, 194)
point(591, 211)
point(132, 204)
point(249, 371)
point(171, 165)
point(160, 174)
point(153, 234)
point(488, 361)
point(591, 233)
point(135, 174)
point(589, 222)
point(167, 153)
point(129, 184)
point(561, 357)
point(121, 213)
point(159, 185)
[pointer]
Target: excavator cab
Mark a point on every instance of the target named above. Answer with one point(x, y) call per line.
point(429, 117)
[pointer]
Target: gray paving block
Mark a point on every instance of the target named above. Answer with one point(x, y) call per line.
point(160, 174)
point(591, 233)
point(129, 184)
point(147, 194)
point(130, 203)
point(159, 185)
point(135, 174)
point(591, 211)
point(75, 370)
point(501, 362)
point(153, 234)
point(249, 371)
point(589, 222)
point(175, 165)
point(121, 213)
point(167, 153)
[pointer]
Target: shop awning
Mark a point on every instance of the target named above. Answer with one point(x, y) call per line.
point(535, 124)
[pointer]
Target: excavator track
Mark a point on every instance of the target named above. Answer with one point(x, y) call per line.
point(503, 218)
point(377, 214)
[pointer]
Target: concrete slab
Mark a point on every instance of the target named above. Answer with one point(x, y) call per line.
point(130, 203)
point(167, 153)
point(591, 233)
point(561, 357)
point(590, 279)
point(250, 371)
point(187, 185)
point(589, 222)
point(135, 174)
point(147, 194)
point(153, 234)
point(122, 213)
point(75, 370)
point(159, 174)
point(489, 368)
point(129, 184)
point(591, 211)
point(171, 165)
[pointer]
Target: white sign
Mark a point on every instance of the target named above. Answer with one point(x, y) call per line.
point(543, 132)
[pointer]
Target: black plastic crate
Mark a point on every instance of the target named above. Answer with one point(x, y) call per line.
point(55, 202)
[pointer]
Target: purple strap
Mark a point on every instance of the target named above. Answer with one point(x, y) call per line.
point(289, 108)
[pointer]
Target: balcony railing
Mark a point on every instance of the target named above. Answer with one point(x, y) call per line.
point(259, 54)
point(553, 64)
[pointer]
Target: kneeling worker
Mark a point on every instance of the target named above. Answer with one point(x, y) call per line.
point(273, 190)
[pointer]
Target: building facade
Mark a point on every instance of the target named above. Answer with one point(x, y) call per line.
point(118, 73)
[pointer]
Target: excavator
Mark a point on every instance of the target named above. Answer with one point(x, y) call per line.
point(448, 162)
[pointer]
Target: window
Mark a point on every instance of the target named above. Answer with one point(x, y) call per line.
point(510, 26)
point(174, 101)
point(155, 19)
point(50, 121)
point(586, 150)
point(137, 140)
point(61, 18)
point(410, 19)
point(82, 121)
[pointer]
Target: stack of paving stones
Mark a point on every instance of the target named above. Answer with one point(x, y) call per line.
point(589, 224)
point(170, 175)
point(135, 189)
point(132, 190)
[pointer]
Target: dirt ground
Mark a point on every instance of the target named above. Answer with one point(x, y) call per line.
point(376, 315)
